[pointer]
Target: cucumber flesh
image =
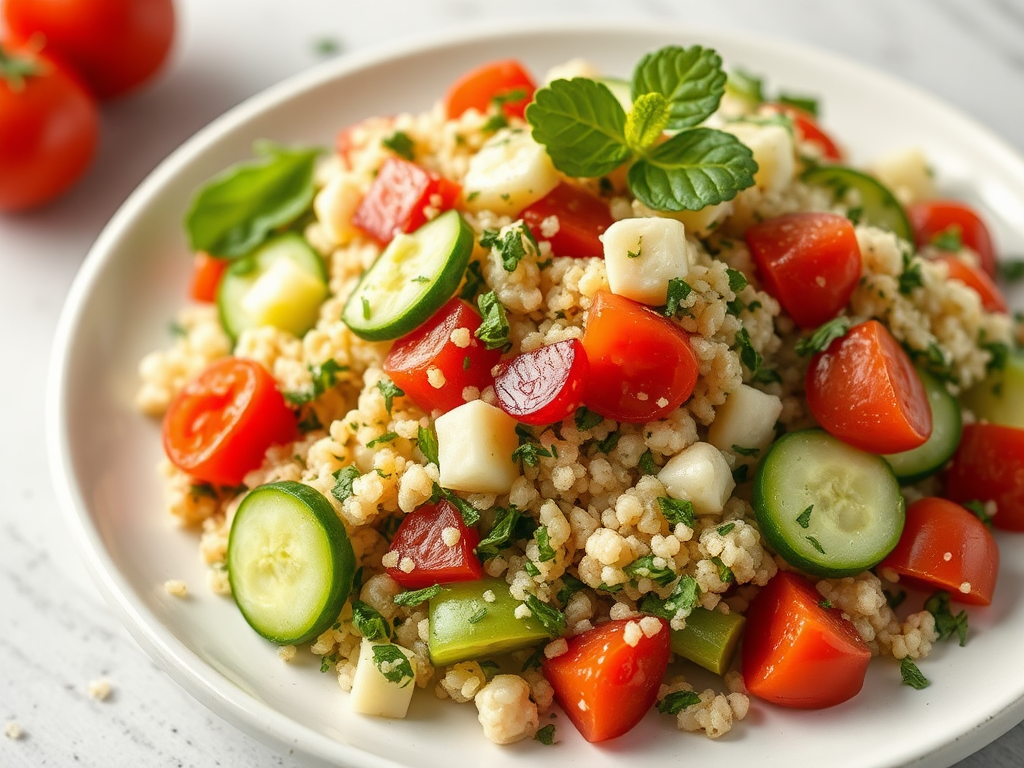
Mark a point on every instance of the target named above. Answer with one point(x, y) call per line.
point(925, 460)
point(999, 399)
point(289, 561)
point(856, 508)
point(879, 206)
point(710, 639)
point(414, 276)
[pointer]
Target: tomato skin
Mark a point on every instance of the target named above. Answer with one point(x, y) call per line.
point(937, 528)
point(989, 466)
point(617, 682)
point(864, 390)
point(397, 197)
point(797, 652)
point(207, 271)
point(477, 88)
point(808, 129)
point(115, 45)
point(634, 351)
point(582, 219)
point(810, 262)
point(49, 127)
point(419, 538)
point(930, 218)
point(544, 385)
point(430, 346)
point(977, 279)
point(221, 424)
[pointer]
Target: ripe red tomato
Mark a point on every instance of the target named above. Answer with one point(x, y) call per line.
point(642, 366)
point(544, 385)
point(479, 87)
point(807, 129)
point(582, 219)
point(221, 424)
point(207, 271)
point(810, 262)
point(943, 546)
point(396, 200)
point(415, 355)
point(115, 45)
point(49, 126)
point(977, 279)
point(864, 390)
point(419, 542)
point(989, 466)
point(931, 218)
point(604, 684)
point(798, 652)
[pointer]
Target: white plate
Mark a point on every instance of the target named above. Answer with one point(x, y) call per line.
point(104, 453)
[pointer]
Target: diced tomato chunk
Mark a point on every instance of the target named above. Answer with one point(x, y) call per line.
point(864, 390)
point(642, 366)
point(810, 262)
point(977, 279)
point(932, 218)
point(507, 80)
point(582, 219)
point(608, 678)
point(398, 197)
point(808, 129)
point(544, 385)
point(206, 274)
point(989, 466)
point(434, 545)
point(438, 360)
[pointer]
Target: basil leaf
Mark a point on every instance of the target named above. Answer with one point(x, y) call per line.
point(646, 120)
point(581, 124)
point(693, 169)
point(235, 211)
point(691, 79)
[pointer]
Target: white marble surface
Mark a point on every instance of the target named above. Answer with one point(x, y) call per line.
point(56, 634)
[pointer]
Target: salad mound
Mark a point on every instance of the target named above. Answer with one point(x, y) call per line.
point(555, 382)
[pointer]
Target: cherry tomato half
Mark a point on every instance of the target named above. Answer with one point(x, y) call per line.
point(809, 130)
point(582, 219)
point(221, 424)
point(425, 556)
point(207, 271)
point(478, 88)
point(931, 218)
point(989, 466)
point(544, 385)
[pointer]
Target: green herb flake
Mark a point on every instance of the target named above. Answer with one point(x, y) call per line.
point(469, 514)
point(392, 662)
point(177, 329)
point(946, 624)
point(912, 675)
point(390, 391)
point(490, 668)
point(646, 463)
point(675, 702)
point(751, 452)
point(511, 245)
point(472, 282)
point(370, 623)
point(978, 508)
point(950, 239)
point(426, 441)
point(531, 569)
point(550, 617)
point(723, 530)
point(570, 586)
point(737, 280)
point(533, 661)
point(823, 336)
point(387, 437)
point(608, 444)
point(543, 539)
point(478, 615)
point(894, 599)
point(343, 480)
point(323, 376)
point(466, 362)
point(411, 598)
point(826, 604)
point(749, 356)
point(200, 490)
point(725, 574)
point(739, 475)
point(366, 308)
point(807, 104)
point(1011, 270)
point(677, 511)
point(421, 279)
point(530, 454)
point(684, 598)
point(911, 277)
point(494, 328)
point(816, 544)
point(639, 249)
point(644, 568)
point(746, 86)
point(804, 519)
point(501, 535)
point(678, 291)
point(586, 419)
point(400, 143)
point(546, 734)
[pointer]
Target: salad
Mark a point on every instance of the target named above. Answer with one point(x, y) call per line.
point(562, 387)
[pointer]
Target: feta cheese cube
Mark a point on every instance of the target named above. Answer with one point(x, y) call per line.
point(382, 687)
point(906, 173)
point(774, 152)
point(510, 172)
point(701, 475)
point(474, 446)
point(642, 255)
point(746, 419)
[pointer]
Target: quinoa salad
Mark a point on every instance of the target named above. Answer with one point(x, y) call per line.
point(550, 395)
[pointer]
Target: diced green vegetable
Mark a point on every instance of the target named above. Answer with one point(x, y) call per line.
point(710, 639)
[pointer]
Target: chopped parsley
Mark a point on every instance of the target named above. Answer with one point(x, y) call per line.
point(392, 662)
point(469, 514)
point(751, 452)
point(512, 244)
point(478, 615)
point(370, 623)
point(546, 734)
point(979, 511)
point(646, 463)
point(675, 702)
point(910, 278)
point(550, 617)
point(530, 454)
point(400, 143)
point(387, 437)
point(946, 624)
point(414, 597)
point(804, 519)
point(543, 538)
point(324, 376)
point(426, 441)
point(725, 574)
point(390, 391)
point(570, 586)
point(343, 480)
point(912, 675)
point(682, 601)
point(586, 419)
point(645, 568)
point(816, 544)
point(950, 239)
point(724, 530)
point(737, 280)
point(501, 535)
point(823, 336)
point(677, 511)
point(474, 280)
point(826, 604)
point(608, 444)
point(678, 291)
point(1011, 270)
point(494, 329)
point(639, 249)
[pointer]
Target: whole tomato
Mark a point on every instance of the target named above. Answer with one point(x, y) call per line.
point(115, 45)
point(49, 126)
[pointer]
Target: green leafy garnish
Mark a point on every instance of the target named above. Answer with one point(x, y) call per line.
point(469, 514)
point(806, 104)
point(823, 336)
point(677, 511)
point(737, 280)
point(530, 453)
point(912, 675)
point(546, 734)
point(400, 143)
point(414, 597)
point(390, 390)
point(949, 239)
point(1011, 270)
point(742, 451)
point(946, 624)
point(513, 246)
point(725, 529)
point(911, 277)
point(369, 621)
point(978, 509)
point(393, 664)
point(816, 544)
point(678, 291)
point(343, 480)
point(550, 617)
point(543, 538)
point(644, 568)
point(570, 586)
point(324, 377)
point(646, 463)
point(608, 444)
point(387, 437)
point(586, 419)
point(501, 535)
point(494, 329)
point(804, 519)
point(725, 574)
point(426, 441)
point(682, 601)
point(675, 702)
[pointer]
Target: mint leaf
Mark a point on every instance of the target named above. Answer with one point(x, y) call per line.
point(646, 120)
point(581, 124)
point(693, 169)
point(691, 79)
point(516, 243)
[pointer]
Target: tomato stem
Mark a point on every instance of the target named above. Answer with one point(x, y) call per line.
point(14, 68)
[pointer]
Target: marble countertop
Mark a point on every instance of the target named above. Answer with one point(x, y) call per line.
point(56, 634)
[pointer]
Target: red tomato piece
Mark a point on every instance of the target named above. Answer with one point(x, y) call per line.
point(221, 424)
point(430, 347)
point(544, 385)
point(808, 129)
point(944, 546)
point(604, 684)
point(582, 219)
point(206, 273)
point(478, 88)
point(398, 196)
point(642, 366)
point(976, 279)
point(420, 540)
point(797, 652)
point(810, 262)
point(932, 218)
point(864, 390)
point(989, 466)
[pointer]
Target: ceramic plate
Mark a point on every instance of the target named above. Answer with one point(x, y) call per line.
point(104, 453)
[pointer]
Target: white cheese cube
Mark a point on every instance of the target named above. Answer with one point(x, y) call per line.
point(474, 446)
point(700, 475)
point(335, 204)
point(285, 296)
point(642, 255)
point(382, 686)
point(510, 172)
point(746, 420)
point(774, 152)
point(906, 174)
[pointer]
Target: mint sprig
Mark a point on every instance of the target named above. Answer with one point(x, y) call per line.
point(691, 80)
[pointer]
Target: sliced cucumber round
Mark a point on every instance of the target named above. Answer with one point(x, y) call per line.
point(879, 206)
point(826, 507)
point(411, 279)
point(289, 561)
point(282, 283)
point(999, 398)
point(925, 460)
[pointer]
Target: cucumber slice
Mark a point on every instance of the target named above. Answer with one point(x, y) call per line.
point(411, 279)
point(289, 561)
point(1000, 397)
point(856, 509)
point(282, 283)
point(925, 460)
point(880, 207)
